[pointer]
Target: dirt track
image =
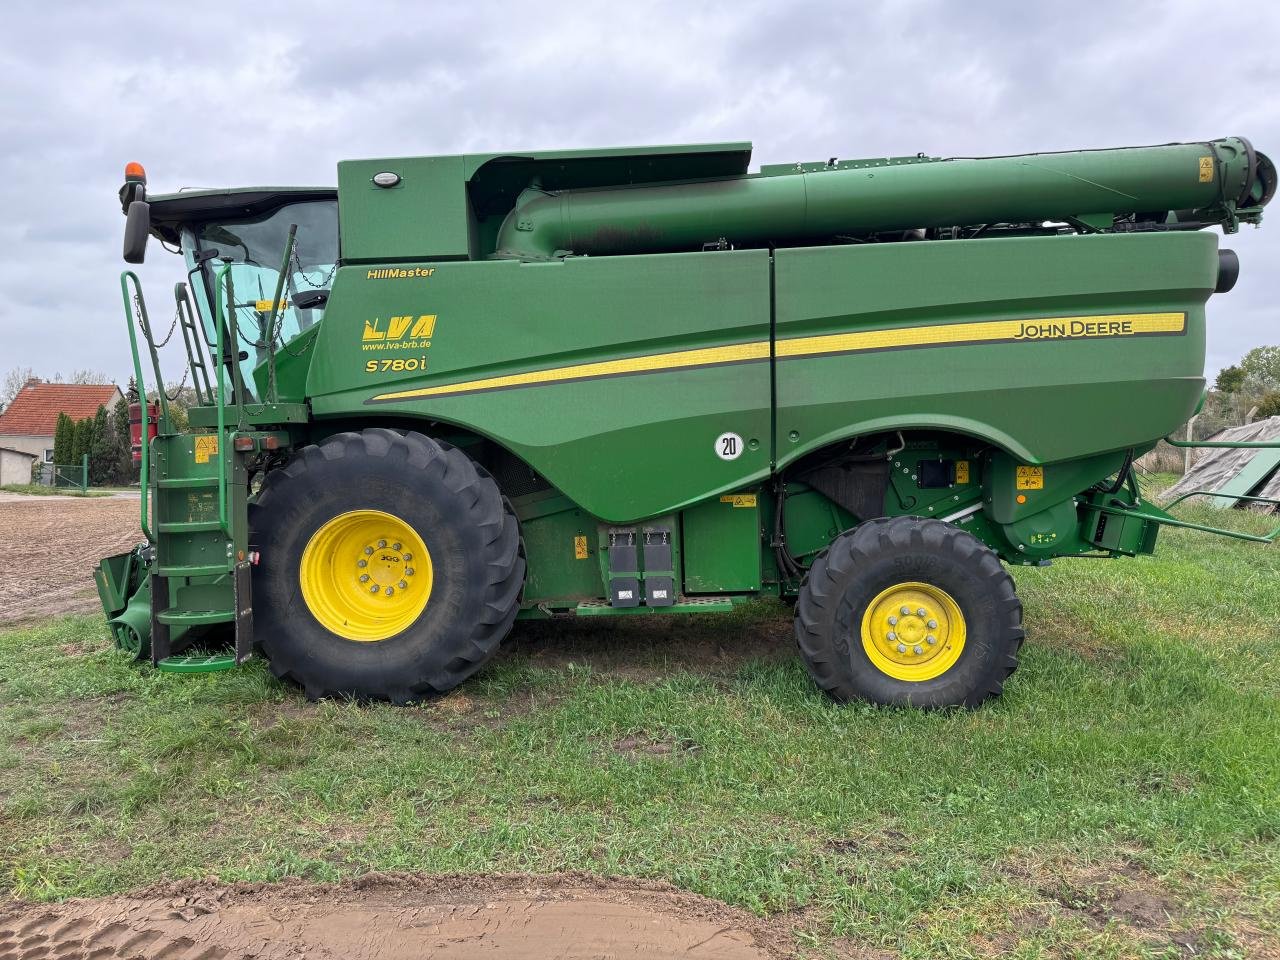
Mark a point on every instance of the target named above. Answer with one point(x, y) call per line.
point(392, 918)
point(50, 547)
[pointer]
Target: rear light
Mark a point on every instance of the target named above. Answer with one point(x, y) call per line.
point(243, 444)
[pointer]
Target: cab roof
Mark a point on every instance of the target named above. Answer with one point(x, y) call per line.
point(170, 210)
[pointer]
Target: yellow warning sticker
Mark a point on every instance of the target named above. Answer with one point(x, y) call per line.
point(1030, 478)
point(962, 471)
point(740, 499)
point(1206, 169)
point(206, 447)
point(580, 548)
point(268, 306)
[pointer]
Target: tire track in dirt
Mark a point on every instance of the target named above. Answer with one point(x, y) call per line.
point(394, 917)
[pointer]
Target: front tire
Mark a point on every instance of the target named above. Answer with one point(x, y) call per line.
point(909, 611)
point(389, 567)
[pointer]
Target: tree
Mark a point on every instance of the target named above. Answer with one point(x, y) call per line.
point(1230, 379)
point(14, 381)
point(82, 440)
point(1269, 405)
point(89, 376)
point(1261, 365)
point(181, 397)
point(102, 454)
point(122, 442)
point(64, 435)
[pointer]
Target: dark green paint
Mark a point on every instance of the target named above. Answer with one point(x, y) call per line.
point(532, 263)
point(722, 548)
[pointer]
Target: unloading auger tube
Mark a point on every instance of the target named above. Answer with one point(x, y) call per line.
point(1174, 186)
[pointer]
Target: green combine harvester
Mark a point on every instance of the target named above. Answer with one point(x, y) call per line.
point(460, 390)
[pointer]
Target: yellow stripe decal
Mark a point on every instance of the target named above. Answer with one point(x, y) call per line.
point(989, 331)
point(707, 356)
point(1048, 328)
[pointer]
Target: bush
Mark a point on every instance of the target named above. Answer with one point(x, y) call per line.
point(1268, 405)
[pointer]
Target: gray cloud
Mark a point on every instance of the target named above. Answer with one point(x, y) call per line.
point(278, 93)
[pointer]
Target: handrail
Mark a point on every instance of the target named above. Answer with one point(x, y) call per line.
point(224, 273)
point(1226, 444)
point(191, 340)
point(145, 438)
point(276, 307)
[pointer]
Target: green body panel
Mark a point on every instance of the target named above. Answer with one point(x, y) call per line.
point(1058, 482)
point(809, 519)
point(425, 216)
point(722, 545)
point(1043, 400)
point(651, 339)
point(556, 531)
point(623, 447)
point(452, 207)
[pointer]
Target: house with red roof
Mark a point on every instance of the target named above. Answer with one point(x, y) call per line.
point(27, 424)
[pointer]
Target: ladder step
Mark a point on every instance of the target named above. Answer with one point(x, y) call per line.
point(171, 483)
point(193, 618)
point(208, 570)
point(197, 663)
point(188, 526)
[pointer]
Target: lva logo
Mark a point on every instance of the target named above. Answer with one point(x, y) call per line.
point(400, 328)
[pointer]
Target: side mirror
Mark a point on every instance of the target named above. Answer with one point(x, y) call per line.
point(310, 299)
point(137, 228)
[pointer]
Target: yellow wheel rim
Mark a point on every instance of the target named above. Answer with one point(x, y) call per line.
point(366, 575)
point(913, 631)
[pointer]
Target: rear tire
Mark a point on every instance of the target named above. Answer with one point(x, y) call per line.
point(909, 611)
point(329, 638)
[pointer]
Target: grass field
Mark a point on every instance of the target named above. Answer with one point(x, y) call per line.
point(41, 490)
point(1121, 799)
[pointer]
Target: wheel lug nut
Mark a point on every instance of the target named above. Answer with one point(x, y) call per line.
point(374, 588)
point(892, 636)
point(362, 563)
point(408, 557)
point(921, 612)
point(918, 649)
point(368, 551)
point(893, 621)
point(403, 585)
point(408, 571)
point(902, 648)
point(395, 546)
point(364, 578)
point(390, 591)
point(906, 611)
point(381, 544)
point(931, 639)
point(932, 624)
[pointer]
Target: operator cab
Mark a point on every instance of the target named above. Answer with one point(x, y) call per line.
point(249, 230)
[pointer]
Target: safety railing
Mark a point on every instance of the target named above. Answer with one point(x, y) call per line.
point(1235, 497)
point(1149, 511)
point(135, 306)
point(220, 324)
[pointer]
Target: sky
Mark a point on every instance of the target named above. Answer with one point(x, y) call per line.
point(277, 93)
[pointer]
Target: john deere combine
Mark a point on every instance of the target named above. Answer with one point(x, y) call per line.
point(459, 390)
